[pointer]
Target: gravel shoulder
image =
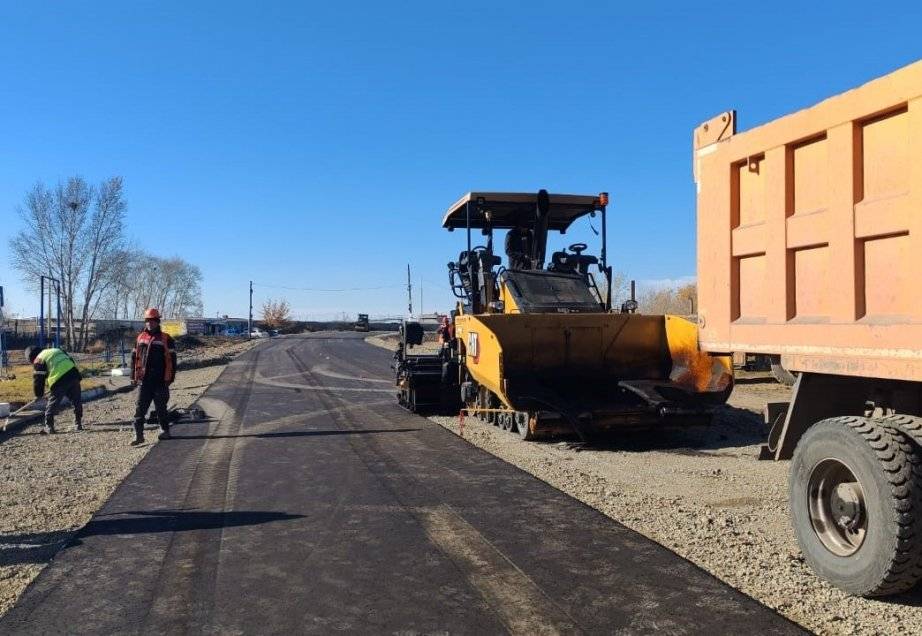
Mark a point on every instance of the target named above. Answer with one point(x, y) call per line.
point(50, 487)
point(704, 494)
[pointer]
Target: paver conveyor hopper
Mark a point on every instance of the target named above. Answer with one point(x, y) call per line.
point(535, 347)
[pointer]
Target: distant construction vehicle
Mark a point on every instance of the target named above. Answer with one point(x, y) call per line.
point(362, 323)
point(534, 346)
point(809, 244)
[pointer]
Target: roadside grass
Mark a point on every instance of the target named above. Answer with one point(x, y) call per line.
point(92, 369)
point(19, 389)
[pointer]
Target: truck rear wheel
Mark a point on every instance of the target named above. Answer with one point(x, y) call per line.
point(856, 504)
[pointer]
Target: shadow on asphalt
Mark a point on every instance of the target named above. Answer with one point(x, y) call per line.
point(41, 547)
point(36, 547)
point(147, 522)
point(299, 433)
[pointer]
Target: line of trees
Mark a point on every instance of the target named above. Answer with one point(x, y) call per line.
point(678, 299)
point(142, 280)
point(75, 232)
point(681, 300)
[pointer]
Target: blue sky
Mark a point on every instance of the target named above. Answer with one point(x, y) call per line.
point(316, 145)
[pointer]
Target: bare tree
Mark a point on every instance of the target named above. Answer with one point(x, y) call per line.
point(103, 238)
point(687, 299)
point(181, 288)
point(115, 299)
point(276, 313)
point(172, 285)
point(75, 233)
point(65, 240)
point(681, 300)
point(618, 288)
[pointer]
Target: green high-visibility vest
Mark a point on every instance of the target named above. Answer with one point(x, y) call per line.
point(57, 362)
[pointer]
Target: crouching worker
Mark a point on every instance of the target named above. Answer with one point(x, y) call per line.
point(153, 366)
point(58, 371)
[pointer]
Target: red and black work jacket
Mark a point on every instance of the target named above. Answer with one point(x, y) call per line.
point(154, 358)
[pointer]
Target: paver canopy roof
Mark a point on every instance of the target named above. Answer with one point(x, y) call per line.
point(505, 208)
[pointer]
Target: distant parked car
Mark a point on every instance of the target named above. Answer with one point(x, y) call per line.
point(259, 333)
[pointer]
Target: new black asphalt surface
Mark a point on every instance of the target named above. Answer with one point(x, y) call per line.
point(313, 504)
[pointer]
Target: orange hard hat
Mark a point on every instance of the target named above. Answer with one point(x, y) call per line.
point(151, 314)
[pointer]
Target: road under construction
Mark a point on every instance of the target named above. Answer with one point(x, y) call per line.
point(310, 502)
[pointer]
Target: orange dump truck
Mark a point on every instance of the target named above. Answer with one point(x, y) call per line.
point(810, 248)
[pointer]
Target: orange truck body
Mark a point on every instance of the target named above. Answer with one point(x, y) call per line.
point(810, 233)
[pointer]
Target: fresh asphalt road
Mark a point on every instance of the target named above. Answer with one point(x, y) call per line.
point(312, 503)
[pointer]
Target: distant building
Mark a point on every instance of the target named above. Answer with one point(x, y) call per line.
point(225, 326)
point(186, 326)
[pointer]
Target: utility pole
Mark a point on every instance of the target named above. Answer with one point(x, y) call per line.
point(57, 333)
point(4, 362)
point(51, 313)
point(409, 292)
point(250, 319)
point(41, 312)
point(420, 297)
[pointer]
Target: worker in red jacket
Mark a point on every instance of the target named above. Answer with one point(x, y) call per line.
point(153, 367)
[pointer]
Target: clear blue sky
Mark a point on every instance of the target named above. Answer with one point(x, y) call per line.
point(318, 144)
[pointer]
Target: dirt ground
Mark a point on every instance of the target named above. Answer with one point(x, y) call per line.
point(703, 493)
point(389, 340)
point(51, 486)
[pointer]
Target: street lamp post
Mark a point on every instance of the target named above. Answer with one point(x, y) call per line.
point(57, 289)
point(41, 312)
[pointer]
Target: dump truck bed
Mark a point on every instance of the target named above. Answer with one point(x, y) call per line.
point(810, 233)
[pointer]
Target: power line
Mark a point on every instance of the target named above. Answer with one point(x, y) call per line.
point(316, 289)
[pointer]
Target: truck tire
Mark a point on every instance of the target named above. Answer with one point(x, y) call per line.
point(912, 428)
point(782, 375)
point(856, 505)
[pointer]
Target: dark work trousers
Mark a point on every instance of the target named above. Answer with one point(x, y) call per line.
point(159, 394)
point(67, 387)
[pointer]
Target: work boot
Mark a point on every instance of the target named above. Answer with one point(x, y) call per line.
point(138, 433)
point(165, 435)
point(47, 430)
point(80, 426)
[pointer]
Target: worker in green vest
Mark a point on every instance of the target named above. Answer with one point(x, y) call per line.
point(58, 371)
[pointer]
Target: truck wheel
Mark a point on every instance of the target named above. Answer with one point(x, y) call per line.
point(856, 505)
point(782, 375)
point(912, 428)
